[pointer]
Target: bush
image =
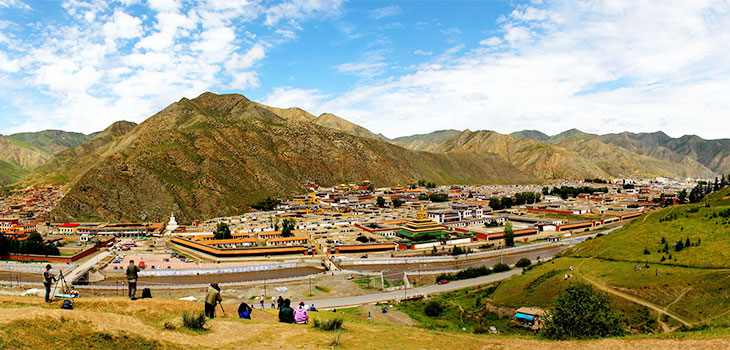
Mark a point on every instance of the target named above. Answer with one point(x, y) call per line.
point(479, 329)
point(333, 324)
point(524, 262)
point(433, 309)
point(500, 268)
point(582, 312)
point(194, 320)
point(362, 239)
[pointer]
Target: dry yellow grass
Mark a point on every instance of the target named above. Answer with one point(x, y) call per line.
point(131, 323)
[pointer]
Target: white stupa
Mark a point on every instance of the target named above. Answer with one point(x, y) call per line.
point(172, 225)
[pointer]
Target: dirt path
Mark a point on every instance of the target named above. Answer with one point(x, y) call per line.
point(632, 298)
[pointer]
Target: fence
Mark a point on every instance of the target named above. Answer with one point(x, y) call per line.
point(239, 269)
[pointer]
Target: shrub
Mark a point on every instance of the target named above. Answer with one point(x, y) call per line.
point(479, 329)
point(524, 262)
point(500, 267)
point(332, 324)
point(193, 320)
point(582, 312)
point(433, 309)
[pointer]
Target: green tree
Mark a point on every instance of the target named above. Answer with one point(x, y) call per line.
point(397, 203)
point(287, 226)
point(380, 201)
point(222, 231)
point(509, 234)
point(581, 312)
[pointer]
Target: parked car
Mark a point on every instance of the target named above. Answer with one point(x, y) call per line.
point(349, 277)
point(443, 281)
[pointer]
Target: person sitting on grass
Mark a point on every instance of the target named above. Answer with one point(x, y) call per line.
point(301, 315)
point(286, 314)
point(312, 308)
point(244, 311)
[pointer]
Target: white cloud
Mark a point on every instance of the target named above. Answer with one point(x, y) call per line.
point(387, 11)
point(370, 66)
point(104, 64)
point(601, 66)
point(300, 9)
point(14, 4)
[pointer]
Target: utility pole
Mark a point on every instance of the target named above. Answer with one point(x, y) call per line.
point(264, 287)
point(310, 285)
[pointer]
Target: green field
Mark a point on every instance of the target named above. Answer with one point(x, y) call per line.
point(693, 221)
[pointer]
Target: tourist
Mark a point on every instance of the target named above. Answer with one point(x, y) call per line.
point(132, 271)
point(244, 311)
point(301, 315)
point(286, 314)
point(262, 301)
point(312, 308)
point(273, 302)
point(212, 298)
point(279, 302)
point(48, 278)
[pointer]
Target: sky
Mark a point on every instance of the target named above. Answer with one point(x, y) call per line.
point(394, 67)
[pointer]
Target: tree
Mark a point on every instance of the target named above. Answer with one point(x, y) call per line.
point(682, 197)
point(509, 234)
point(495, 204)
point(433, 309)
point(381, 201)
point(397, 203)
point(222, 231)
point(581, 312)
point(274, 222)
point(287, 226)
point(524, 262)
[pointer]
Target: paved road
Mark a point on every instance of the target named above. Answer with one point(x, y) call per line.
point(84, 267)
point(395, 271)
point(324, 304)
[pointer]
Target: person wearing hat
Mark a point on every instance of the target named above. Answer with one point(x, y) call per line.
point(301, 315)
point(48, 279)
point(211, 299)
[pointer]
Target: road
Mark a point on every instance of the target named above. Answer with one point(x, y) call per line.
point(85, 266)
point(332, 303)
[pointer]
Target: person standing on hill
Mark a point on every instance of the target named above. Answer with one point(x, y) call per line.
point(212, 298)
point(48, 279)
point(279, 302)
point(132, 275)
point(286, 313)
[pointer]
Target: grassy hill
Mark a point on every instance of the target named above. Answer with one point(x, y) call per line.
point(690, 286)
point(51, 140)
point(117, 323)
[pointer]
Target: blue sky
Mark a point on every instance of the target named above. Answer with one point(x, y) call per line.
point(394, 67)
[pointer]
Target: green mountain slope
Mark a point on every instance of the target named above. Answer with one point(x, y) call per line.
point(325, 119)
point(20, 157)
point(52, 140)
point(530, 134)
point(69, 165)
point(218, 154)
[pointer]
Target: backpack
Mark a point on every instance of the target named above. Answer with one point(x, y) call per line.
point(146, 293)
point(67, 304)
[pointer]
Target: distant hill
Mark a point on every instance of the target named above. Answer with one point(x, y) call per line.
point(17, 158)
point(530, 134)
point(570, 155)
point(52, 140)
point(325, 119)
point(422, 142)
point(69, 165)
point(218, 154)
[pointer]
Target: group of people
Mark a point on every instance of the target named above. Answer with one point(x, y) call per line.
point(299, 315)
point(287, 314)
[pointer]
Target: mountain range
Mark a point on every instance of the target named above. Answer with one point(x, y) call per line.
point(217, 155)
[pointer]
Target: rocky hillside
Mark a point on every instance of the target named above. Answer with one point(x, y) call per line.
point(569, 155)
point(218, 154)
point(325, 119)
point(530, 134)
